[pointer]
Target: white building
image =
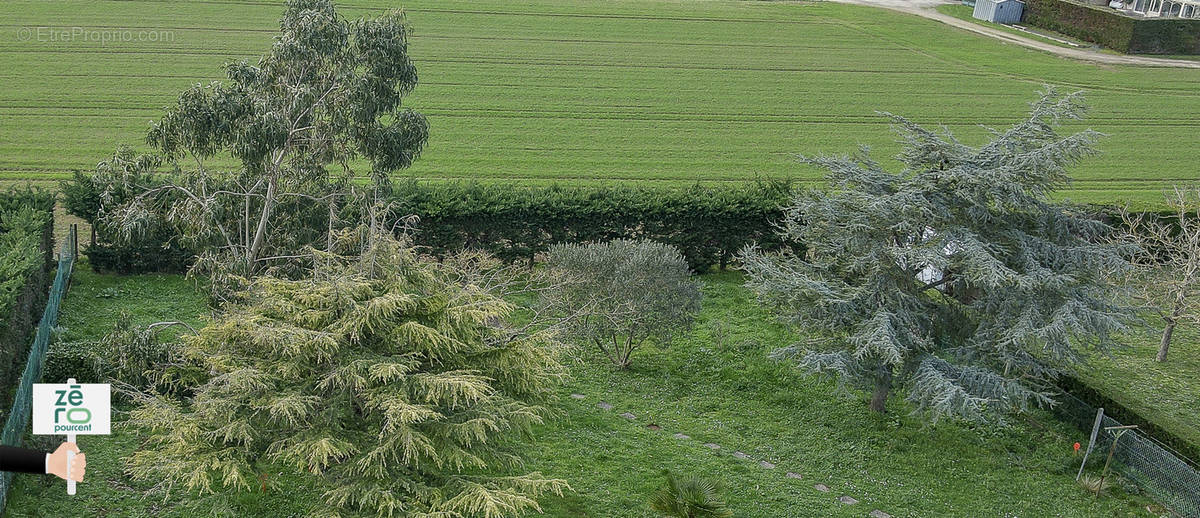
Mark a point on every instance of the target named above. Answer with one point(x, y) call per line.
point(1161, 8)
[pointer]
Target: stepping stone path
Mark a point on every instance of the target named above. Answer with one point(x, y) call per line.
point(845, 499)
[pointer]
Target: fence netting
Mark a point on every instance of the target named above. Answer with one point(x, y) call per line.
point(1162, 473)
point(17, 422)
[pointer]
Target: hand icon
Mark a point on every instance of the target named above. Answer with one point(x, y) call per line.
point(57, 463)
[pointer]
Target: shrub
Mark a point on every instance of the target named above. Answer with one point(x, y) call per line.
point(394, 387)
point(78, 359)
point(690, 497)
point(626, 292)
point(153, 248)
point(1094, 484)
point(127, 355)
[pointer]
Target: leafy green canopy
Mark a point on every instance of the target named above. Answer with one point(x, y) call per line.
point(623, 293)
point(327, 93)
point(956, 278)
point(396, 385)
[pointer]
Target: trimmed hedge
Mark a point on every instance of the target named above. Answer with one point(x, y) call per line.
point(26, 259)
point(1165, 36)
point(1108, 28)
point(708, 224)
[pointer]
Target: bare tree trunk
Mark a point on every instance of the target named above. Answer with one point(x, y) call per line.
point(883, 387)
point(1166, 341)
point(261, 231)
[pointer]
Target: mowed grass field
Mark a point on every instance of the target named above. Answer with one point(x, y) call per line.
point(583, 91)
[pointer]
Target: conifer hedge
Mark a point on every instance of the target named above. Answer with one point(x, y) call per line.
point(1112, 29)
point(708, 224)
point(26, 258)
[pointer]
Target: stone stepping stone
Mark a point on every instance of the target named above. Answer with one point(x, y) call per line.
point(740, 455)
point(794, 475)
point(766, 465)
point(712, 446)
point(604, 406)
point(653, 427)
point(848, 500)
point(879, 514)
point(629, 416)
point(682, 436)
point(578, 396)
point(821, 487)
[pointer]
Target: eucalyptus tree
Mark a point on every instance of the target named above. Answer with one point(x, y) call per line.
point(956, 278)
point(320, 109)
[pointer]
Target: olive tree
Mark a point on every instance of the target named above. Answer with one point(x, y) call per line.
point(956, 278)
point(622, 293)
point(327, 96)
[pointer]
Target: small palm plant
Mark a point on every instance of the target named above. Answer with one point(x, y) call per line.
point(690, 497)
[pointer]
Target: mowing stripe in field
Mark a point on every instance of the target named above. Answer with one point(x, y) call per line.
point(576, 91)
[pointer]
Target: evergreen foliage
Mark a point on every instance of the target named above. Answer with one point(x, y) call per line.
point(327, 94)
point(707, 224)
point(26, 254)
point(127, 355)
point(516, 224)
point(624, 292)
point(156, 247)
point(956, 278)
point(400, 388)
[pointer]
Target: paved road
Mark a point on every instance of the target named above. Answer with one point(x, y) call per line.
point(925, 8)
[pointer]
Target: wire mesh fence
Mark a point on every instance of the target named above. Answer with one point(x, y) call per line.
point(17, 422)
point(1161, 472)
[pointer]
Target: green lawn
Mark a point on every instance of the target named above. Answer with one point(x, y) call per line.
point(588, 90)
point(715, 385)
point(1168, 393)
